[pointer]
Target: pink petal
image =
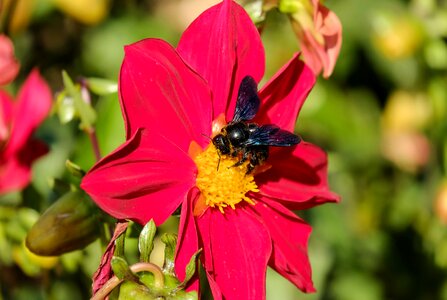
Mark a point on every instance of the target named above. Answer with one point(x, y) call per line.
point(15, 168)
point(215, 289)
point(187, 242)
point(332, 32)
point(223, 46)
point(284, 95)
point(9, 66)
point(13, 175)
point(146, 178)
point(158, 91)
point(6, 114)
point(237, 247)
point(290, 235)
point(322, 56)
point(297, 178)
point(34, 103)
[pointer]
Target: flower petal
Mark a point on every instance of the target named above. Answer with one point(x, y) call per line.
point(34, 103)
point(224, 46)
point(6, 114)
point(158, 91)
point(289, 256)
point(297, 178)
point(187, 242)
point(284, 95)
point(322, 55)
point(237, 247)
point(9, 66)
point(146, 178)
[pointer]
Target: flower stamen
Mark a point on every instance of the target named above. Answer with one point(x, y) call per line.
point(222, 184)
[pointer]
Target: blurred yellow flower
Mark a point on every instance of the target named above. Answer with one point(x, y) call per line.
point(30, 263)
point(21, 13)
point(440, 203)
point(89, 12)
point(45, 262)
point(406, 111)
point(405, 115)
point(397, 36)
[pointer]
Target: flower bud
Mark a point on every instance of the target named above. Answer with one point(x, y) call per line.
point(69, 224)
point(131, 290)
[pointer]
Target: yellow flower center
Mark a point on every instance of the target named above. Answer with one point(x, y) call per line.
point(221, 183)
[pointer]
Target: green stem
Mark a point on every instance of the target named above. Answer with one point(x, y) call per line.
point(159, 280)
point(94, 141)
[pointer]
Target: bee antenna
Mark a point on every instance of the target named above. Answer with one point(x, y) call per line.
point(207, 136)
point(218, 163)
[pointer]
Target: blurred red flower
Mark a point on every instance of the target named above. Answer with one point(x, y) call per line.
point(18, 120)
point(9, 66)
point(172, 101)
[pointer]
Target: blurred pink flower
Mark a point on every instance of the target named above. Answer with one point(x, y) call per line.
point(18, 120)
point(318, 29)
point(172, 101)
point(321, 44)
point(9, 66)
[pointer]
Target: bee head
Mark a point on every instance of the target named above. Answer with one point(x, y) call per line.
point(221, 143)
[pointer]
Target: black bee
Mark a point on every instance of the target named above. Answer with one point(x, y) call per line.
point(249, 140)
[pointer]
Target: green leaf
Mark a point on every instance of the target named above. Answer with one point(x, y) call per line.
point(85, 111)
point(146, 240)
point(74, 169)
point(101, 86)
point(170, 241)
point(121, 269)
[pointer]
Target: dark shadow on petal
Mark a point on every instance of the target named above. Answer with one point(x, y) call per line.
point(287, 166)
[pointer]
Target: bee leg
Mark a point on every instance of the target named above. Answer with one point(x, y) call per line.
point(254, 161)
point(258, 156)
point(243, 159)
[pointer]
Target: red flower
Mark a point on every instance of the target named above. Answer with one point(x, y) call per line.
point(18, 120)
point(171, 101)
point(9, 66)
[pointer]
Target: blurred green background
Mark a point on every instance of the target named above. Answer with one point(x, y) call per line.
point(381, 117)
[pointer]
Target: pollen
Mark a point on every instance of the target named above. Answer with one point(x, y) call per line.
point(222, 184)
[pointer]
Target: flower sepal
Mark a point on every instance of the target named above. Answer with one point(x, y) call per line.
point(146, 241)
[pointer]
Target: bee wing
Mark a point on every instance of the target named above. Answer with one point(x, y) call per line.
point(272, 135)
point(248, 102)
